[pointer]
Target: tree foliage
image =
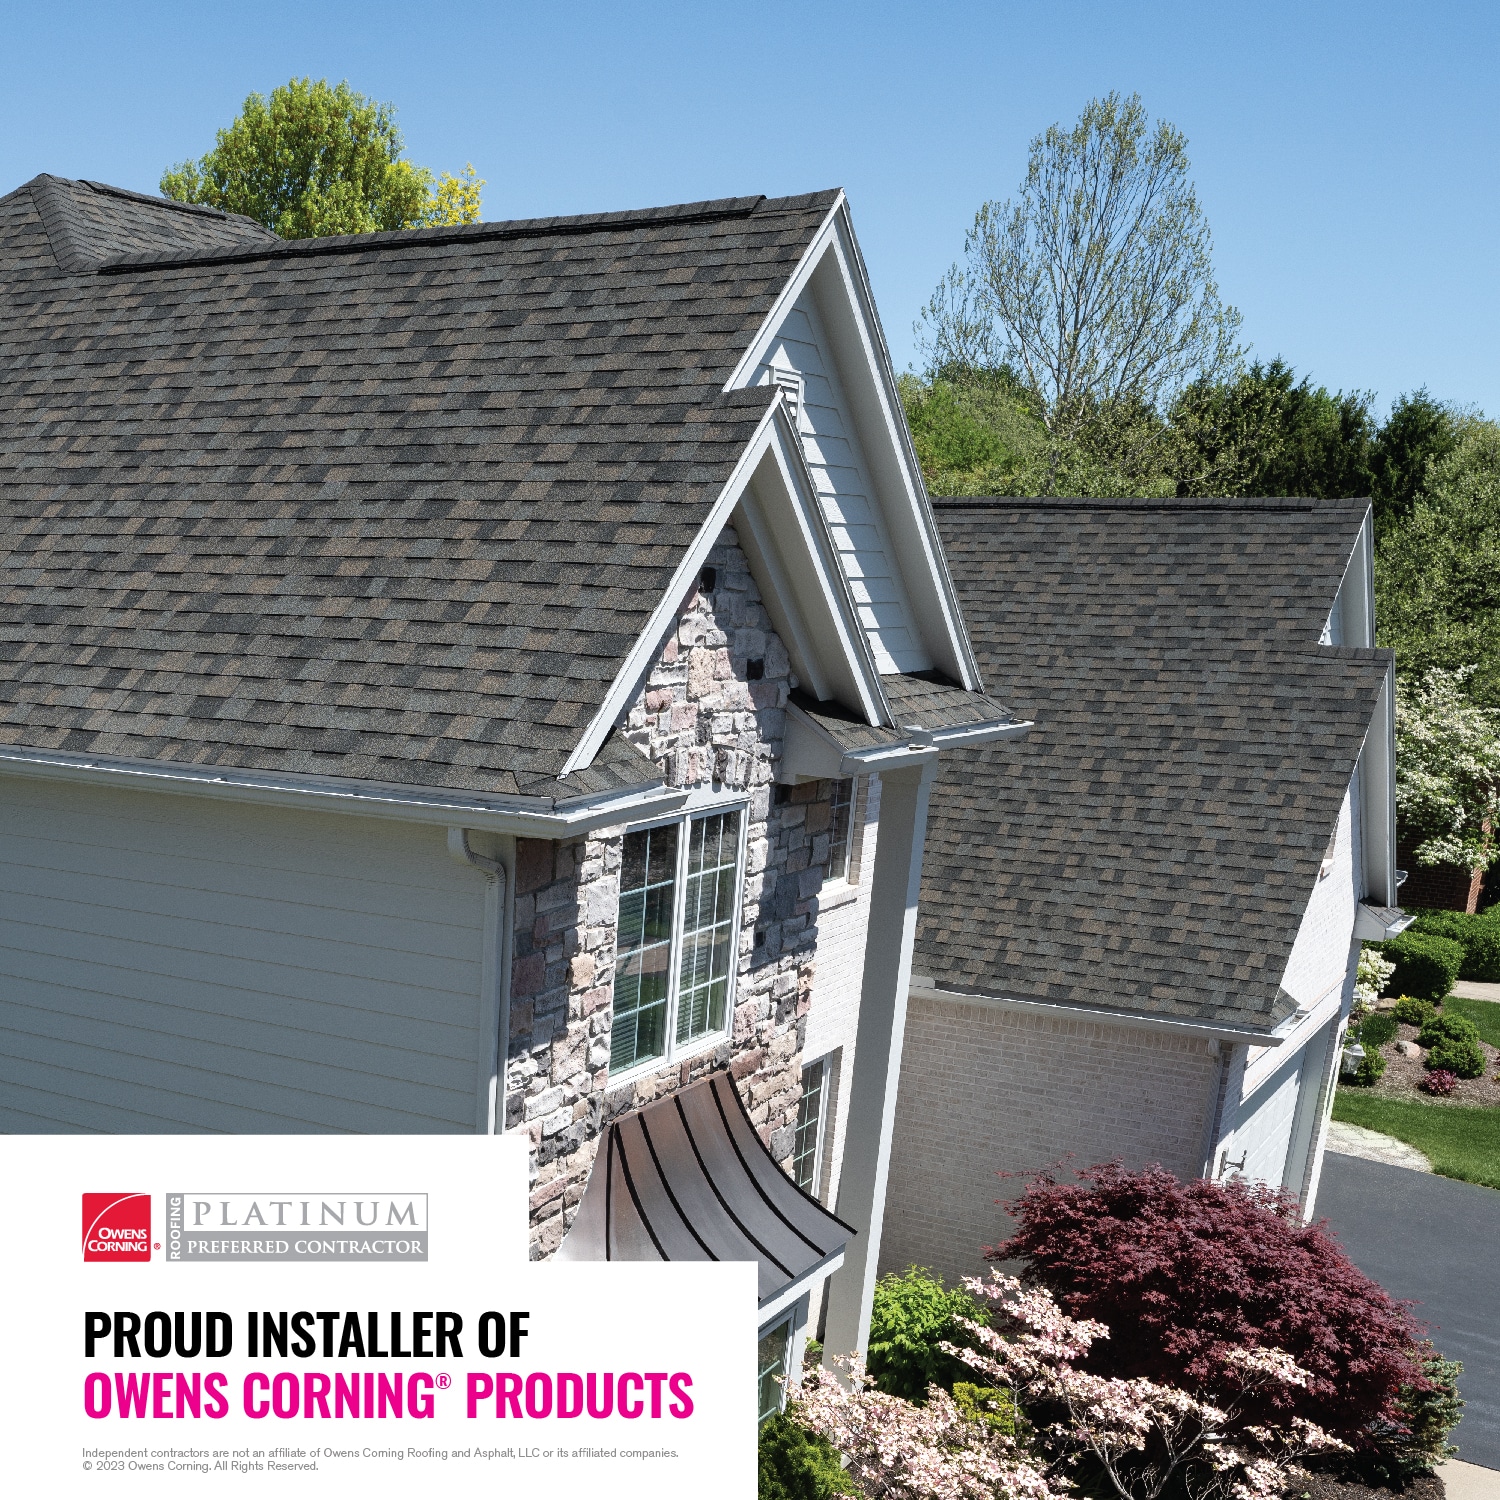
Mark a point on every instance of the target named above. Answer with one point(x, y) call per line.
point(1095, 285)
point(315, 158)
point(1184, 1272)
point(1261, 431)
point(1437, 570)
point(1419, 431)
point(1447, 769)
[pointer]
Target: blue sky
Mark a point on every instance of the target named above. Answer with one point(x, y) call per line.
point(1346, 154)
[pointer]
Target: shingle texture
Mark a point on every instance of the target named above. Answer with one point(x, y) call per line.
point(391, 507)
point(1152, 844)
point(918, 702)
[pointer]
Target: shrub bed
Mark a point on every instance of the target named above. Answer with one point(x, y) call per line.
point(1426, 967)
point(1183, 1272)
point(1477, 935)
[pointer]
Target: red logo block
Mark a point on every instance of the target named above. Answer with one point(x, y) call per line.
point(117, 1226)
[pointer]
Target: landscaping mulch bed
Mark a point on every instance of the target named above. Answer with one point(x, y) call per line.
point(1330, 1487)
point(1404, 1074)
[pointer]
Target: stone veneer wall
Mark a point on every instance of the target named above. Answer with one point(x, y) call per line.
point(703, 721)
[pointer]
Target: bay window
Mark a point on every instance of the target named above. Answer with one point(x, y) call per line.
point(677, 941)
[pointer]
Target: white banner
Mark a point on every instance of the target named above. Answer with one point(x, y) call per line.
point(347, 1314)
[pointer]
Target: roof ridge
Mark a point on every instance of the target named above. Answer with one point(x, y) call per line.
point(151, 200)
point(706, 211)
point(1127, 502)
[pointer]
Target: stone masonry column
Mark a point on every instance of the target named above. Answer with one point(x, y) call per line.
point(894, 890)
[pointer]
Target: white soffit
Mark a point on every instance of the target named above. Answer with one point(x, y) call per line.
point(832, 275)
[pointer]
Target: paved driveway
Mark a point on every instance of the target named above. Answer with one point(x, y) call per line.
point(1438, 1242)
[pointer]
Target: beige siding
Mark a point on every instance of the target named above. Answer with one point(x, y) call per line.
point(169, 963)
point(986, 1089)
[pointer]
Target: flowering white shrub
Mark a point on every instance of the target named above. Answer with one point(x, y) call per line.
point(899, 1451)
point(1370, 978)
point(1138, 1434)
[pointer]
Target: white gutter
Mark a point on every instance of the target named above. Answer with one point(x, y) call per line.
point(923, 987)
point(523, 817)
point(812, 753)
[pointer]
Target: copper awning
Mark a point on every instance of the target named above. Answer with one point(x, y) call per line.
point(687, 1178)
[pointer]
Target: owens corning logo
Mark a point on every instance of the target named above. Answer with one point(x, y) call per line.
point(117, 1226)
point(296, 1226)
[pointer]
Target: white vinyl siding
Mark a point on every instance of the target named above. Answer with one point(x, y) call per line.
point(173, 964)
point(844, 490)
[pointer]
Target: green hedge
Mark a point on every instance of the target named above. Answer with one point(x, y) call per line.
point(1478, 936)
point(1377, 1030)
point(1426, 966)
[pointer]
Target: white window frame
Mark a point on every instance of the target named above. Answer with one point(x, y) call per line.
point(675, 1055)
point(825, 1080)
point(841, 877)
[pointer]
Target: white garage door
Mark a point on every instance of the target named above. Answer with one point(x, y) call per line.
point(170, 963)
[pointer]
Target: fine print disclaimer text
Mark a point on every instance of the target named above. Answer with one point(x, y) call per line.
point(107, 1461)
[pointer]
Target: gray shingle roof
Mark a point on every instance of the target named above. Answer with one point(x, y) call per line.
point(1151, 846)
point(391, 507)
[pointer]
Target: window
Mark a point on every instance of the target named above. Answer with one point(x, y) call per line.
point(771, 1366)
point(679, 889)
point(807, 1143)
point(840, 828)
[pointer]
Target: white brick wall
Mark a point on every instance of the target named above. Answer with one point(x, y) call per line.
point(833, 1017)
point(986, 1089)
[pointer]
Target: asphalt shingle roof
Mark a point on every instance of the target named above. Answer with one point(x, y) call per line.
point(391, 507)
point(1152, 844)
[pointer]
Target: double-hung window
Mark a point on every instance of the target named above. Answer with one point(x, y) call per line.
point(840, 828)
point(675, 958)
point(807, 1142)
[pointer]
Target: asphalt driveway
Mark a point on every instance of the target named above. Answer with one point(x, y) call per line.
point(1438, 1242)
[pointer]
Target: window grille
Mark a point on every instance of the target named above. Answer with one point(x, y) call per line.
point(840, 828)
point(807, 1143)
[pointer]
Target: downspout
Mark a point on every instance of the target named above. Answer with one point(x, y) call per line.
point(493, 991)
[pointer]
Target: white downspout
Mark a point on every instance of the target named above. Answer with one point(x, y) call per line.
point(493, 991)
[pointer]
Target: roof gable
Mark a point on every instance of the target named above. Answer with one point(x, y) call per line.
point(1153, 844)
point(394, 507)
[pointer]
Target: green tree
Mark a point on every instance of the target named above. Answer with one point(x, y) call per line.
point(1264, 432)
point(316, 158)
point(1095, 285)
point(1447, 770)
point(1419, 431)
point(1437, 570)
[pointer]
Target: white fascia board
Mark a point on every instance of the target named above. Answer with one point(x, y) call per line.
point(986, 733)
point(518, 816)
point(1377, 798)
point(778, 1302)
point(774, 439)
point(638, 661)
point(811, 753)
point(923, 988)
point(836, 238)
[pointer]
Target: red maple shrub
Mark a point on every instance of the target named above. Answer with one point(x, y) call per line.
point(1182, 1271)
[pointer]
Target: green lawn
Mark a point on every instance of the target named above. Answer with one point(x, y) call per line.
point(1485, 1014)
point(1459, 1140)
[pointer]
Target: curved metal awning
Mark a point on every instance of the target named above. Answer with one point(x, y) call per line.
point(687, 1178)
